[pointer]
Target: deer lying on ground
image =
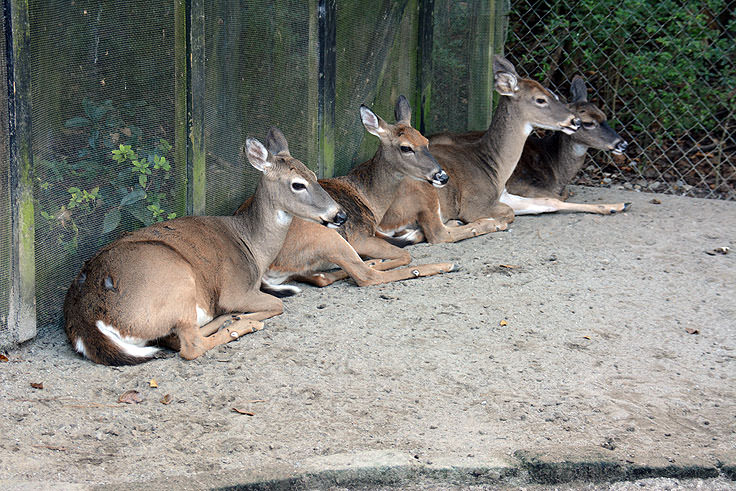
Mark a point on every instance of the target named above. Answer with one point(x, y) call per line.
point(365, 193)
point(179, 282)
point(547, 165)
point(479, 164)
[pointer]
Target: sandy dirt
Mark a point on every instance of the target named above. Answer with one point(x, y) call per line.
point(570, 348)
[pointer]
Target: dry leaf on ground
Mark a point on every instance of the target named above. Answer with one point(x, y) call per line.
point(503, 323)
point(690, 330)
point(240, 411)
point(3, 358)
point(152, 384)
point(166, 399)
point(37, 385)
point(131, 397)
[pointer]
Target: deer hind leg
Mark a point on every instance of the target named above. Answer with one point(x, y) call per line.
point(534, 206)
point(194, 340)
point(393, 256)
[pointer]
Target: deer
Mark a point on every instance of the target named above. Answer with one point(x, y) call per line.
point(185, 283)
point(478, 165)
point(366, 192)
point(548, 164)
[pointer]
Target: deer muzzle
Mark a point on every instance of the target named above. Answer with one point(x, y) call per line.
point(337, 221)
point(439, 179)
point(572, 126)
point(620, 147)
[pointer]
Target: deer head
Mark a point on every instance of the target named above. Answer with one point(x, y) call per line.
point(292, 188)
point(595, 131)
point(403, 146)
point(536, 105)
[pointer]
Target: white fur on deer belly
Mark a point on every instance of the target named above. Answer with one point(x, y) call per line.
point(202, 316)
point(128, 344)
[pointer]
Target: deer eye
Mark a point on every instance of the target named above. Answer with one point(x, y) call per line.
point(406, 149)
point(541, 101)
point(298, 186)
point(588, 125)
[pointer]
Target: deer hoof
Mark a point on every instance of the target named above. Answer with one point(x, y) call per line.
point(454, 268)
point(234, 335)
point(415, 272)
point(627, 206)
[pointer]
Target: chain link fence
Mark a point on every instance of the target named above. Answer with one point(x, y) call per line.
point(663, 71)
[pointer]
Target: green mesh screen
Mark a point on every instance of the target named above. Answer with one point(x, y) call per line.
point(258, 75)
point(5, 231)
point(102, 75)
point(376, 62)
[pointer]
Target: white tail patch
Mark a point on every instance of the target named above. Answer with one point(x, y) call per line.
point(202, 316)
point(79, 345)
point(132, 346)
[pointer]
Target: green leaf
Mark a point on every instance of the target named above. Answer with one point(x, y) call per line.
point(142, 180)
point(133, 197)
point(111, 220)
point(77, 122)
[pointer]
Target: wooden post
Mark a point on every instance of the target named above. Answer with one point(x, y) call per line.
point(480, 73)
point(181, 90)
point(327, 26)
point(313, 90)
point(22, 305)
point(423, 96)
point(196, 168)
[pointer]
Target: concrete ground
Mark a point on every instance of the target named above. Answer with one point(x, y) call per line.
point(571, 351)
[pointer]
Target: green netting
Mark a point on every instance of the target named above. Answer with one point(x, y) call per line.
point(376, 62)
point(258, 75)
point(5, 232)
point(102, 75)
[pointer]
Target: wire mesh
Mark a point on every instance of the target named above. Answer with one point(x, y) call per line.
point(258, 76)
point(102, 76)
point(376, 62)
point(663, 71)
point(5, 230)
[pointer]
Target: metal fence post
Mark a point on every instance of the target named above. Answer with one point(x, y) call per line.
point(22, 305)
point(327, 26)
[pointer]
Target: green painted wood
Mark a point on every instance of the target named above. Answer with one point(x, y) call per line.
point(22, 305)
point(480, 71)
point(180, 105)
point(197, 151)
point(313, 147)
point(423, 95)
point(327, 25)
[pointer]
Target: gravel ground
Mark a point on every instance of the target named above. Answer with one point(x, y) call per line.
point(572, 350)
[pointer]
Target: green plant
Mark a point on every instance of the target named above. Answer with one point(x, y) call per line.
point(115, 180)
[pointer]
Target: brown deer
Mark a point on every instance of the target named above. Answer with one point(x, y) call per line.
point(548, 164)
point(365, 193)
point(478, 164)
point(179, 282)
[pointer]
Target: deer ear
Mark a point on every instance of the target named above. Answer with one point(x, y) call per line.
point(276, 142)
point(505, 76)
point(578, 91)
point(257, 154)
point(374, 124)
point(402, 112)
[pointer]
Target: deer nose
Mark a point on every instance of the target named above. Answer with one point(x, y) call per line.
point(440, 178)
point(340, 218)
point(620, 147)
point(577, 122)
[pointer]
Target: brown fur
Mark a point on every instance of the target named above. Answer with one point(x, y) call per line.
point(147, 284)
point(365, 193)
point(479, 164)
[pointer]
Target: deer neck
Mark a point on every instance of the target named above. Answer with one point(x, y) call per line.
point(262, 226)
point(378, 181)
point(570, 157)
point(503, 143)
